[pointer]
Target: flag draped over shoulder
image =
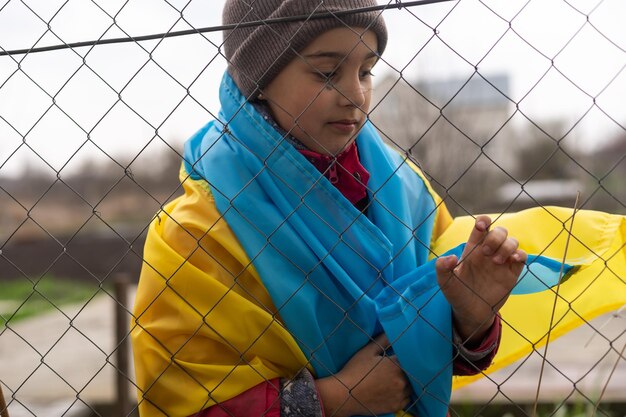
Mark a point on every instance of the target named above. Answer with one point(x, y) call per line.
point(263, 268)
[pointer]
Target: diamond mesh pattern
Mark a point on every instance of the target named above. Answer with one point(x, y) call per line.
point(504, 105)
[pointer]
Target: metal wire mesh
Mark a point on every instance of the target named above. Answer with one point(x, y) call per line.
point(503, 106)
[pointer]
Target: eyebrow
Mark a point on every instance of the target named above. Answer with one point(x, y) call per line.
point(336, 55)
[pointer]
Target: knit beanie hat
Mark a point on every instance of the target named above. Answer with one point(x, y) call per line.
point(256, 54)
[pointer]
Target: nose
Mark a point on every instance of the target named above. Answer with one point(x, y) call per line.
point(353, 92)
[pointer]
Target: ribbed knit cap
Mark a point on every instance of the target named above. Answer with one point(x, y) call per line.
point(256, 54)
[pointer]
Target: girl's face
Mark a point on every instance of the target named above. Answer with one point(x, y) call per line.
point(323, 96)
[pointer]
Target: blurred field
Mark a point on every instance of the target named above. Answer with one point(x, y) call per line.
point(20, 299)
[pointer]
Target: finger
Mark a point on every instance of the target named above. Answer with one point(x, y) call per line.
point(505, 251)
point(396, 368)
point(405, 402)
point(494, 239)
point(519, 256)
point(446, 264)
point(394, 359)
point(444, 267)
point(480, 230)
point(408, 390)
point(378, 344)
point(519, 259)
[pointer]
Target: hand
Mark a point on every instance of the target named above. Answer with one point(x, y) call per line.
point(369, 384)
point(478, 285)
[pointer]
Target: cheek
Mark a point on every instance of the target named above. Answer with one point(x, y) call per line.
point(299, 101)
point(300, 110)
point(319, 110)
point(368, 90)
point(310, 103)
point(312, 96)
point(366, 106)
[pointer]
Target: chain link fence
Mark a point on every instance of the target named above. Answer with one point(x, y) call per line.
point(503, 105)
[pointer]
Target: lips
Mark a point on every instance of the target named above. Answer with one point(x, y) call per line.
point(345, 125)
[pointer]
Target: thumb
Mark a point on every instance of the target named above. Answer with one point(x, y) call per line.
point(444, 267)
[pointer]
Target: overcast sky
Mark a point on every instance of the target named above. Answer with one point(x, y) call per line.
point(168, 88)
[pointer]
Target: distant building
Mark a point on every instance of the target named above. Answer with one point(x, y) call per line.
point(458, 129)
point(556, 192)
point(475, 93)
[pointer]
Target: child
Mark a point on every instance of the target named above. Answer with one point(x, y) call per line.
point(293, 277)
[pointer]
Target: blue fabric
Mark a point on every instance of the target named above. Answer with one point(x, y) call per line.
point(336, 276)
point(539, 274)
point(322, 260)
point(414, 302)
point(418, 322)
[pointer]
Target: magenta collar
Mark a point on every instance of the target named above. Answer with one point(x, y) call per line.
point(344, 171)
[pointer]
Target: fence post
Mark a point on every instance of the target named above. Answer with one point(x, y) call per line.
point(4, 411)
point(121, 341)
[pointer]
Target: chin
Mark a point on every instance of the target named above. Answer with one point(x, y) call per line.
point(337, 150)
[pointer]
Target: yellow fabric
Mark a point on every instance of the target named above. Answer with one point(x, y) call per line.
point(443, 219)
point(205, 327)
point(597, 286)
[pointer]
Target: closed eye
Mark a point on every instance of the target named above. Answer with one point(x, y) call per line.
point(326, 76)
point(367, 73)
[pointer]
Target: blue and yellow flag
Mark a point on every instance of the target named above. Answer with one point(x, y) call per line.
point(263, 268)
